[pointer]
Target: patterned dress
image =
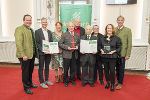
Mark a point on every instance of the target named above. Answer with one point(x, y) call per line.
point(57, 60)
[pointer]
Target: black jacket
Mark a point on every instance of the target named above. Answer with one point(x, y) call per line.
point(39, 37)
point(99, 37)
point(114, 43)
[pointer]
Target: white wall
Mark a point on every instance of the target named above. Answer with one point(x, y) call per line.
point(0, 20)
point(135, 17)
point(12, 15)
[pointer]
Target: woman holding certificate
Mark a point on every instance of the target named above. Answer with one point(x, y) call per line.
point(110, 47)
point(57, 60)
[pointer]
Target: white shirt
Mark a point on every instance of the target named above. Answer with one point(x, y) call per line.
point(72, 33)
point(89, 36)
point(45, 34)
point(120, 27)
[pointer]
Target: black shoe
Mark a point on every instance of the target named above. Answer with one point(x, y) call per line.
point(83, 84)
point(94, 81)
point(73, 83)
point(112, 88)
point(79, 78)
point(28, 91)
point(66, 84)
point(34, 86)
point(107, 85)
point(92, 85)
point(101, 82)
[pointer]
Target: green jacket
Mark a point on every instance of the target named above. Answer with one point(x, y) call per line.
point(125, 35)
point(24, 42)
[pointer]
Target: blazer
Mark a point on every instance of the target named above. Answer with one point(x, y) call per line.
point(66, 41)
point(85, 57)
point(82, 31)
point(24, 42)
point(114, 43)
point(99, 37)
point(39, 37)
point(125, 35)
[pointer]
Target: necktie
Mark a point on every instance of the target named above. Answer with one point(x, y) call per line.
point(73, 44)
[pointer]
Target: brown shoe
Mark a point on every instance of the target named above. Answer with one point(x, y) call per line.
point(148, 77)
point(56, 79)
point(119, 86)
point(60, 78)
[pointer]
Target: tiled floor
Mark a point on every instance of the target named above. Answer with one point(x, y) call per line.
point(130, 72)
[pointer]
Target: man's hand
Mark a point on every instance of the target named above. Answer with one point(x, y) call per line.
point(76, 48)
point(102, 51)
point(94, 53)
point(25, 58)
point(46, 53)
point(83, 52)
point(127, 57)
point(60, 50)
point(69, 48)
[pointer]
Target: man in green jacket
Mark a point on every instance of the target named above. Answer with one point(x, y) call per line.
point(26, 52)
point(125, 35)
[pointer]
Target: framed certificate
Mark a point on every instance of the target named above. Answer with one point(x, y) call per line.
point(88, 46)
point(50, 47)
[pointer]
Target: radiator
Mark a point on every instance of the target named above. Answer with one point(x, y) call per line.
point(138, 58)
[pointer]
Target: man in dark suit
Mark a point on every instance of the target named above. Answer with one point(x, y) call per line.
point(88, 60)
point(98, 64)
point(69, 43)
point(81, 31)
point(44, 58)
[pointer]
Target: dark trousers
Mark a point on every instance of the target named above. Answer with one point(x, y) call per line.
point(78, 70)
point(27, 70)
point(88, 66)
point(44, 59)
point(109, 69)
point(69, 63)
point(120, 69)
point(99, 68)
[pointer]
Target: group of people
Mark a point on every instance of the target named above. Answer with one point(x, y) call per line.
point(113, 49)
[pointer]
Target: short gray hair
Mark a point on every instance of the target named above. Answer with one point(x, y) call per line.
point(43, 18)
point(120, 17)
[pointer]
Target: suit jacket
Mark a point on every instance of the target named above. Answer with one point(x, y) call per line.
point(82, 31)
point(66, 41)
point(84, 57)
point(24, 42)
point(39, 37)
point(125, 35)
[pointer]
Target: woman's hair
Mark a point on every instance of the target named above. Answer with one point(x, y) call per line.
point(113, 29)
point(58, 23)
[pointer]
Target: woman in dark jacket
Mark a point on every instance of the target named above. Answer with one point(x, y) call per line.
point(110, 47)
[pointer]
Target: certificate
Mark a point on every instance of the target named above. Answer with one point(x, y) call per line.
point(88, 46)
point(50, 47)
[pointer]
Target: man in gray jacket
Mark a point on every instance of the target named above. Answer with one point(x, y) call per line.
point(69, 43)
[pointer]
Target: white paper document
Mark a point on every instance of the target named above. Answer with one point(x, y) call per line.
point(50, 47)
point(88, 46)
